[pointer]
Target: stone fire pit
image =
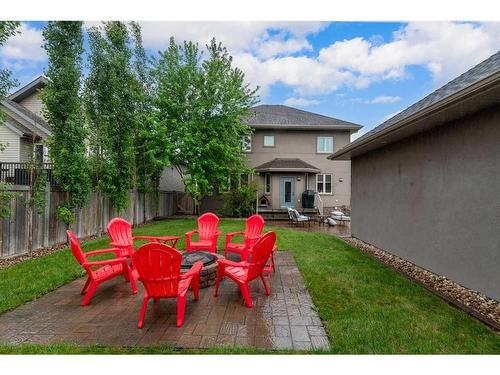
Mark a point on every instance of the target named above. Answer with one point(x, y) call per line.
point(208, 272)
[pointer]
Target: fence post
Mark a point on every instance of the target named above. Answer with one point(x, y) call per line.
point(46, 215)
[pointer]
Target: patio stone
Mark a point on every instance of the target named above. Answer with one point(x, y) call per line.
point(284, 320)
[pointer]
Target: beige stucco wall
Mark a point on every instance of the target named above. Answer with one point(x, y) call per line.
point(302, 145)
point(11, 140)
point(434, 199)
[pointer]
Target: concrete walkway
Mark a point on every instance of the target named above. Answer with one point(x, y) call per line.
point(285, 319)
point(337, 230)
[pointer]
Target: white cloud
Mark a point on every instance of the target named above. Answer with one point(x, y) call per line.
point(445, 49)
point(384, 99)
point(300, 102)
point(24, 48)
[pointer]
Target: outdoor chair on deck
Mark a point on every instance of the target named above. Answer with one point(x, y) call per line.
point(101, 270)
point(159, 269)
point(207, 234)
point(253, 231)
point(296, 218)
point(244, 272)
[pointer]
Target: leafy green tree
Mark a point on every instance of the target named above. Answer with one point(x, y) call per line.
point(7, 29)
point(110, 102)
point(201, 103)
point(150, 155)
point(63, 42)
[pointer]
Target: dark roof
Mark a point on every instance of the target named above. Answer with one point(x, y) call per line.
point(288, 117)
point(483, 70)
point(28, 89)
point(281, 165)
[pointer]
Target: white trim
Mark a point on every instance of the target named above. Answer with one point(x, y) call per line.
point(13, 128)
point(324, 183)
point(44, 130)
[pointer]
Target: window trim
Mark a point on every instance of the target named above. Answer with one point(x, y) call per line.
point(264, 140)
point(324, 183)
point(317, 144)
point(266, 175)
point(249, 143)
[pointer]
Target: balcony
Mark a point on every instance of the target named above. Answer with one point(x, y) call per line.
point(20, 173)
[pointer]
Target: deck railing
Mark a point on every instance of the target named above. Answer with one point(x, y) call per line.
point(318, 203)
point(23, 173)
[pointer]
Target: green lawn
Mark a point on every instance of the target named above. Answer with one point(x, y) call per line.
point(365, 306)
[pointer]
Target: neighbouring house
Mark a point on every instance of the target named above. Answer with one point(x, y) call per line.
point(426, 183)
point(288, 150)
point(23, 131)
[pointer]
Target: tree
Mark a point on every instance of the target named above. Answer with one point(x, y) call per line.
point(110, 93)
point(63, 42)
point(150, 155)
point(201, 105)
point(7, 29)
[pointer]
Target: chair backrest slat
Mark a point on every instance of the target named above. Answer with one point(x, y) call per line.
point(120, 231)
point(159, 267)
point(75, 247)
point(207, 225)
point(261, 252)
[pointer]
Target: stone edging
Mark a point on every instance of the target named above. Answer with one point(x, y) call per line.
point(474, 303)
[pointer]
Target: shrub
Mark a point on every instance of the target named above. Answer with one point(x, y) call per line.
point(240, 202)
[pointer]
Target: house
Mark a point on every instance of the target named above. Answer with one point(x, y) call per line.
point(426, 183)
point(288, 150)
point(23, 127)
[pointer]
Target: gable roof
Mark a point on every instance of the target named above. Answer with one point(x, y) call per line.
point(475, 89)
point(27, 119)
point(287, 165)
point(28, 89)
point(281, 116)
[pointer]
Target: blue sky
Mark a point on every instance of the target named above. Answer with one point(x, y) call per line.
point(362, 72)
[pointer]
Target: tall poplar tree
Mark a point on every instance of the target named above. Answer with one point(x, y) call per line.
point(63, 41)
point(110, 102)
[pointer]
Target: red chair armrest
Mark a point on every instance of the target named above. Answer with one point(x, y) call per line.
point(190, 233)
point(106, 262)
point(233, 234)
point(102, 251)
point(118, 245)
point(149, 238)
point(227, 262)
point(195, 269)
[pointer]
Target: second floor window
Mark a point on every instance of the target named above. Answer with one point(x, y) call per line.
point(269, 141)
point(246, 143)
point(324, 145)
point(324, 183)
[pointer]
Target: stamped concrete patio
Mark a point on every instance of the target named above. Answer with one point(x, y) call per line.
point(285, 319)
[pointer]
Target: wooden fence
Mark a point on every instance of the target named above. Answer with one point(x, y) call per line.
point(48, 230)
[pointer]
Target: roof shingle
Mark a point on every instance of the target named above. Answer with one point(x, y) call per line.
point(283, 116)
point(284, 164)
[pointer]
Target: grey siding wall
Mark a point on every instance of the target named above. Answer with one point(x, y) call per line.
point(11, 142)
point(33, 103)
point(434, 199)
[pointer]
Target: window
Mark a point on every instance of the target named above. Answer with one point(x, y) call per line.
point(324, 183)
point(246, 143)
point(269, 141)
point(325, 145)
point(267, 183)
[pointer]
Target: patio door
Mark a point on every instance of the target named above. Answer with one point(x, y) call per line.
point(287, 192)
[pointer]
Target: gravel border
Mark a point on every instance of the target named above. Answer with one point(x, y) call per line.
point(474, 303)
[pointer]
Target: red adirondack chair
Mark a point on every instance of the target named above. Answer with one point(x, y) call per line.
point(99, 271)
point(159, 269)
point(253, 231)
point(244, 272)
point(207, 234)
point(120, 232)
